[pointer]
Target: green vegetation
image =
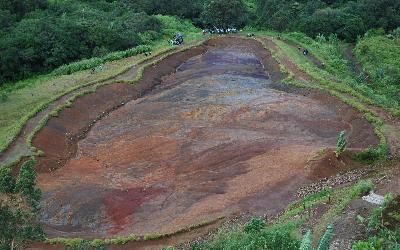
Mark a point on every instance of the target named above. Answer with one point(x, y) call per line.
point(97, 61)
point(337, 70)
point(19, 199)
point(386, 226)
point(65, 46)
point(380, 59)
point(273, 238)
point(225, 13)
point(76, 242)
point(323, 80)
point(27, 98)
point(341, 143)
point(59, 32)
point(347, 19)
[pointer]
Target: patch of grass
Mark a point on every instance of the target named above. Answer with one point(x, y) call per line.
point(330, 51)
point(122, 240)
point(296, 208)
point(130, 238)
point(278, 237)
point(98, 61)
point(154, 236)
point(70, 242)
point(380, 58)
point(368, 156)
point(321, 76)
point(340, 200)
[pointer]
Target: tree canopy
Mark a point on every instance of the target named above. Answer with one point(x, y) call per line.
point(224, 13)
point(37, 36)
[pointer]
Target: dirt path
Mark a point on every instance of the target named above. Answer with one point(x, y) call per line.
point(19, 147)
point(213, 138)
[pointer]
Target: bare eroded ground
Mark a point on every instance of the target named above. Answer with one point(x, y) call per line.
point(216, 138)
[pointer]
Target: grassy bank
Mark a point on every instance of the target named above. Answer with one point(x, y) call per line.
point(337, 74)
point(380, 59)
point(338, 90)
point(75, 243)
point(138, 76)
point(24, 99)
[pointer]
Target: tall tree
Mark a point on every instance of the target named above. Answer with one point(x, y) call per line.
point(225, 13)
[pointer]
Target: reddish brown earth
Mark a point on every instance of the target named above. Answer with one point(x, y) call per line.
point(216, 137)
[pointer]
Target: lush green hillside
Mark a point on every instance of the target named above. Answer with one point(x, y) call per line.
point(347, 19)
point(380, 59)
point(38, 36)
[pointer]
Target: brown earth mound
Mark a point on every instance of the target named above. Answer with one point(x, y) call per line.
point(327, 164)
point(216, 137)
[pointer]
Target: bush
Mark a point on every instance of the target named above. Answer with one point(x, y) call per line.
point(362, 187)
point(373, 243)
point(172, 25)
point(277, 238)
point(369, 156)
point(18, 207)
point(255, 225)
point(379, 56)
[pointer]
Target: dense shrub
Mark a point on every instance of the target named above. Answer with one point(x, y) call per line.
point(224, 13)
point(254, 226)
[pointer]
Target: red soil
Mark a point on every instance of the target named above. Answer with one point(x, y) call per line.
point(216, 137)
